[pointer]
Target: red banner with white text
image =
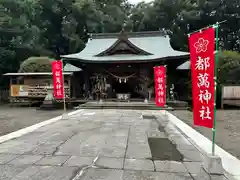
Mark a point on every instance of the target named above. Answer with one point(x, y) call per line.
point(58, 79)
point(202, 47)
point(160, 85)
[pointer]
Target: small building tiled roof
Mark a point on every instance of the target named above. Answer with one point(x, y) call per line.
point(156, 44)
point(71, 68)
point(184, 66)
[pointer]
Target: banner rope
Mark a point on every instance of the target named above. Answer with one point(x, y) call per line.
point(121, 77)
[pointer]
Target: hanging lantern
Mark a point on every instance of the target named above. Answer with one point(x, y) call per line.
point(120, 80)
point(125, 80)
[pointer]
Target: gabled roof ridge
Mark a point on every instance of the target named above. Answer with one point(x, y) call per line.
point(129, 43)
point(129, 34)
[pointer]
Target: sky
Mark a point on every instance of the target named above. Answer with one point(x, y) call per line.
point(137, 1)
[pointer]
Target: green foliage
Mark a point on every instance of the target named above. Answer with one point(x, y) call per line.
point(228, 71)
point(180, 17)
point(229, 66)
point(36, 64)
point(56, 27)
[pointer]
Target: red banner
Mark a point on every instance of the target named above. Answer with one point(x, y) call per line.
point(202, 57)
point(160, 85)
point(58, 79)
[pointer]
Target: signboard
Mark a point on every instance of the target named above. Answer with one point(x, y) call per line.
point(19, 90)
point(160, 85)
point(202, 46)
point(58, 79)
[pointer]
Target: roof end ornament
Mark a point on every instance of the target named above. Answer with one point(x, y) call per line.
point(167, 36)
point(123, 34)
point(165, 32)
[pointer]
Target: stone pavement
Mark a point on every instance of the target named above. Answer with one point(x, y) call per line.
point(103, 145)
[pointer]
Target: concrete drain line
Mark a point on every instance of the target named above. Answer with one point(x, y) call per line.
point(160, 146)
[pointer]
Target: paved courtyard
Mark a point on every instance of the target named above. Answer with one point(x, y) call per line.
point(228, 129)
point(102, 145)
point(15, 118)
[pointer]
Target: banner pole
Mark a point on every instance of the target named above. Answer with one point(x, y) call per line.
point(165, 90)
point(215, 92)
point(206, 27)
point(64, 100)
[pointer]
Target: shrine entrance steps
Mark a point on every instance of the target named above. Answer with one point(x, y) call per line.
point(130, 105)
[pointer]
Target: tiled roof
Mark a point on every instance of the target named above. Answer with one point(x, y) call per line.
point(153, 42)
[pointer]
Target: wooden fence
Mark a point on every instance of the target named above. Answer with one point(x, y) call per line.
point(4, 95)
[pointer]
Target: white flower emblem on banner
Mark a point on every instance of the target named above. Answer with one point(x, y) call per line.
point(201, 45)
point(159, 73)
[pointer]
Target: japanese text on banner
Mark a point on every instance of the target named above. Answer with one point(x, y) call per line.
point(202, 46)
point(160, 85)
point(58, 79)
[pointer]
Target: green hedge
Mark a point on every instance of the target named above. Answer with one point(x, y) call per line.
point(36, 64)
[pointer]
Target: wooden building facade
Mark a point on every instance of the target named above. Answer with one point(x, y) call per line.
point(120, 65)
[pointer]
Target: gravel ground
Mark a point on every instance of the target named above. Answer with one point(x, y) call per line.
point(15, 118)
point(228, 129)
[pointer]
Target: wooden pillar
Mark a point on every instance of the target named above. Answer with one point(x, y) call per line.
point(69, 86)
point(86, 81)
point(173, 77)
point(10, 89)
point(17, 80)
point(144, 72)
point(73, 85)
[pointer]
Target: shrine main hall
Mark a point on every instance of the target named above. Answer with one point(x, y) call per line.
point(120, 66)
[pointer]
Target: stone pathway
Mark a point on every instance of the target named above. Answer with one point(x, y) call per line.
point(103, 145)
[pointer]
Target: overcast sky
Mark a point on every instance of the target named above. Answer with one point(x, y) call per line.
point(137, 1)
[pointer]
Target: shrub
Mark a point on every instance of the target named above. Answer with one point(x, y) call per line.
point(36, 64)
point(229, 65)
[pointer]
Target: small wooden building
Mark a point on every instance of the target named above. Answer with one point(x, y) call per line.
point(33, 87)
point(120, 65)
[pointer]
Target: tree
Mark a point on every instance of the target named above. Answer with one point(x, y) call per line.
point(213, 11)
point(55, 27)
point(171, 16)
point(180, 17)
point(19, 35)
point(140, 17)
